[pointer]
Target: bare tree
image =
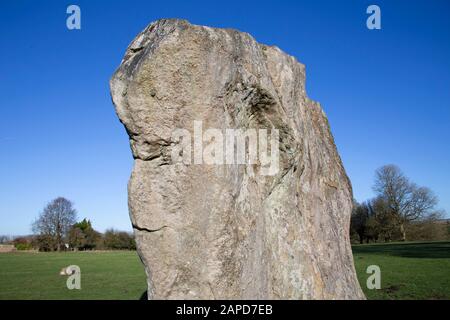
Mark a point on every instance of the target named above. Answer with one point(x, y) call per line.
point(55, 221)
point(359, 218)
point(4, 239)
point(403, 199)
point(386, 222)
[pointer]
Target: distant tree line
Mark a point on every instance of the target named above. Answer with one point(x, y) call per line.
point(400, 211)
point(57, 229)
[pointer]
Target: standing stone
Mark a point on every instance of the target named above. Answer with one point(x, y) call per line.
point(230, 231)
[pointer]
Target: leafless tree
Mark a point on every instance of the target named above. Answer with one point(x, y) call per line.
point(5, 239)
point(55, 221)
point(359, 218)
point(404, 199)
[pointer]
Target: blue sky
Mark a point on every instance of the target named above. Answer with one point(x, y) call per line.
point(386, 92)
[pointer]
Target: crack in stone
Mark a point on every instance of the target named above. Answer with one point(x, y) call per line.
point(147, 229)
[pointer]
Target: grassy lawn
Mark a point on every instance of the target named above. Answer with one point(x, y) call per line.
point(104, 275)
point(408, 271)
point(412, 270)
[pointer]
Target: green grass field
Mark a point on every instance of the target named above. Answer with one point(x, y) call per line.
point(408, 271)
point(104, 275)
point(414, 270)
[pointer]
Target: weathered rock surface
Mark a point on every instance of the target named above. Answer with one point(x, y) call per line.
point(226, 231)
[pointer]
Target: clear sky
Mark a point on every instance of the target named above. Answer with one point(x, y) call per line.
point(386, 92)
